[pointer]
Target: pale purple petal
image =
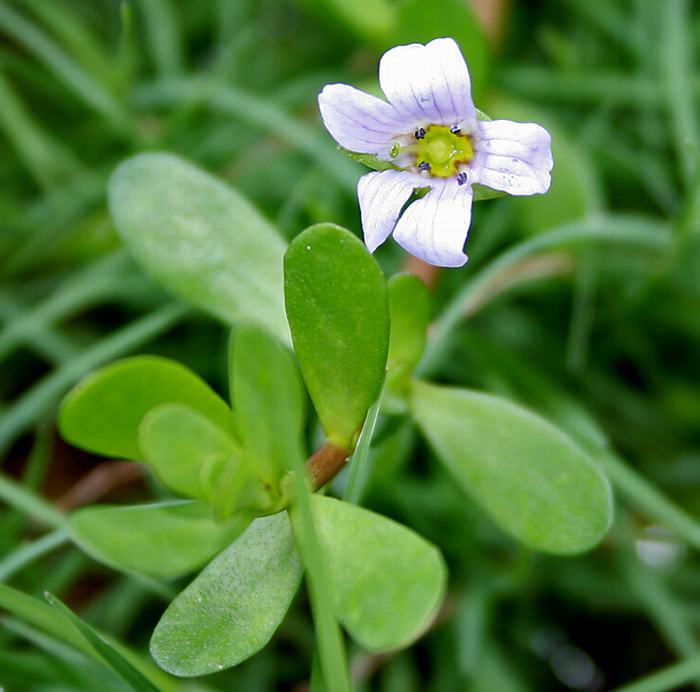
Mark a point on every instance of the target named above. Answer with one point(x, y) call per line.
point(434, 228)
point(382, 196)
point(359, 121)
point(428, 84)
point(512, 157)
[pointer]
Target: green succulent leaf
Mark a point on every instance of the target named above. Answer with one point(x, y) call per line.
point(103, 412)
point(166, 539)
point(534, 481)
point(200, 239)
point(230, 611)
point(177, 440)
point(337, 309)
point(386, 581)
point(268, 397)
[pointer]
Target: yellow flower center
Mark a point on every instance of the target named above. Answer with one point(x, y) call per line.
point(442, 149)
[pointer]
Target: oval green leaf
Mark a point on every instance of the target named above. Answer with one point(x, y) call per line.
point(533, 480)
point(230, 611)
point(336, 303)
point(103, 412)
point(387, 582)
point(177, 441)
point(200, 239)
point(166, 539)
point(268, 396)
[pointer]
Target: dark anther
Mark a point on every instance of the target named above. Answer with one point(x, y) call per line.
point(461, 178)
point(455, 129)
point(420, 133)
point(424, 166)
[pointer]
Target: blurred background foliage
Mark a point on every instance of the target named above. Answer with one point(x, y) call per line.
point(600, 336)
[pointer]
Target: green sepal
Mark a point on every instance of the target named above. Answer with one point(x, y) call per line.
point(369, 160)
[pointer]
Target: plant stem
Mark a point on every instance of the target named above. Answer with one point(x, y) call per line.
point(325, 463)
point(329, 641)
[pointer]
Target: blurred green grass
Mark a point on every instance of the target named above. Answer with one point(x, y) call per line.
point(589, 331)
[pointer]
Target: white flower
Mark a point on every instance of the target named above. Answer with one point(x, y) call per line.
point(430, 133)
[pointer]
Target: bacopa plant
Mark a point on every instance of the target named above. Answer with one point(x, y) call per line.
point(318, 321)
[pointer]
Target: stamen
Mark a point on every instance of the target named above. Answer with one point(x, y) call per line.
point(455, 129)
point(420, 133)
point(424, 166)
point(462, 178)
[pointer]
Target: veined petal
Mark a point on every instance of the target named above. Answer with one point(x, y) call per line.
point(434, 228)
point(359, 121)
point(428, 83)
point(512, 157)
point(382, 196)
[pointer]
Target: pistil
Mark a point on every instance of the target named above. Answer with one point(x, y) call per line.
point(439, 150)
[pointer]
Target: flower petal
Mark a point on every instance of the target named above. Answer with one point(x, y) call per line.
point(382, 196)
point(512, 157)
point(359, 121)
point(428, 84)
point(435, 227)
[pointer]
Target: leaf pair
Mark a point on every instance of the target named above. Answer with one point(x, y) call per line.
point(153, 409)
point(386, 582)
